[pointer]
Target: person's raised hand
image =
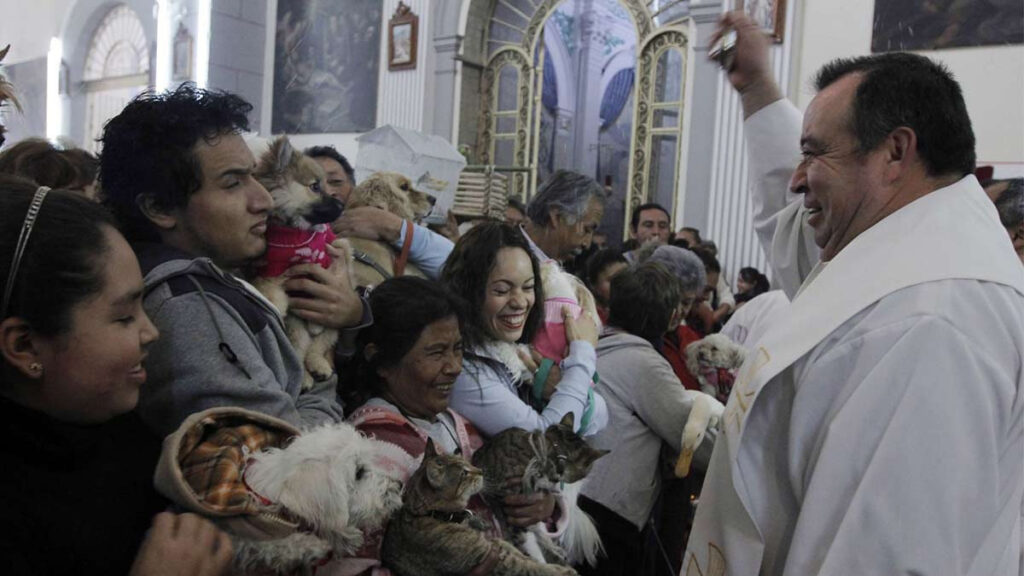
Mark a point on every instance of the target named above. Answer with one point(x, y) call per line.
point(324, 297)
point(750, 72)
point(582, 328)
point(368, 223)
point(183, 545)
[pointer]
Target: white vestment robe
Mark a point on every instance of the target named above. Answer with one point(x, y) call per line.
point(878, 425)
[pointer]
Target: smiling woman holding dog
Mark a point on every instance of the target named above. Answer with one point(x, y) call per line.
point(493, 268)
point(78, 462)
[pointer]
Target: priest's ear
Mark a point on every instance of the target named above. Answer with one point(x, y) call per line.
point(901, 153)
point(162, 218)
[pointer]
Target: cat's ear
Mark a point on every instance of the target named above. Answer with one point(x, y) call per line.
point(430, 450)
point(435, 470)
point(569, 421)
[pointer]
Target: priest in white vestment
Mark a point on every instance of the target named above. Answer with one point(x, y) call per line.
point(877, 426)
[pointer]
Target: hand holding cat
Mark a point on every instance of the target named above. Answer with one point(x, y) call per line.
point(524, 510)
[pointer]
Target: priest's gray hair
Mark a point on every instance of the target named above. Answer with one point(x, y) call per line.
point(682, 263)
point(569, 192)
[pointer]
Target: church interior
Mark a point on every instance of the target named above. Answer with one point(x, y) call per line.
point(534, 287)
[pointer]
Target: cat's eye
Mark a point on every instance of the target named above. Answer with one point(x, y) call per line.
point(360, 473)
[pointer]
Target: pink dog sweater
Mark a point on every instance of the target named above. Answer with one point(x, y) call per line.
point(288, 246)
point(550, 339)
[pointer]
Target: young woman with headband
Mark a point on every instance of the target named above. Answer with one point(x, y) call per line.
point(78, 464)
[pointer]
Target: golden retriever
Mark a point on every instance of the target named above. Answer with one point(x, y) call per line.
point(393, 192)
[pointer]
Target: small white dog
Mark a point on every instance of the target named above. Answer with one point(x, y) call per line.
point(705, 356)
point(334, 479)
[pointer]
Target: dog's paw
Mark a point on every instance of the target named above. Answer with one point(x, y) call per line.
point(307, 381)
point(318, 369)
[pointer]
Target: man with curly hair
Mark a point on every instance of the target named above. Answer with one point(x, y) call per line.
point(179, 177)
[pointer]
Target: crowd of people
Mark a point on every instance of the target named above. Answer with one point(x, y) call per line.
point(876, 427)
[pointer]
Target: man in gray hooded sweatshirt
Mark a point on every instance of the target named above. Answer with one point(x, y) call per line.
point(179, 177)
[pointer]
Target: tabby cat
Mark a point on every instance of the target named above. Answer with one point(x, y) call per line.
point(433, 534)
point(542, 461)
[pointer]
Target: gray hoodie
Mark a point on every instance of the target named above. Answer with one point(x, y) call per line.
point(647, 407)
point(219, 345)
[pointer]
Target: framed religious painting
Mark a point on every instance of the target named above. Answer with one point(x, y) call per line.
point(770, 15)
point(403, 29)
point(326, 65)
point(913, 25)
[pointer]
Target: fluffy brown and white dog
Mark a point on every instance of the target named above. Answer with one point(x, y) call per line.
point(377, 261)
point(299, 230)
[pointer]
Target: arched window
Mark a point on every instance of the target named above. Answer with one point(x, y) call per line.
point(116, 69)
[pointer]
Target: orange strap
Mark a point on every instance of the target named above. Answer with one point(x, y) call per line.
point(404, 256)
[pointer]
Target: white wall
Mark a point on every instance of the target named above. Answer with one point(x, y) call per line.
point(992, 77)
point(401, 94)
point(28, 27)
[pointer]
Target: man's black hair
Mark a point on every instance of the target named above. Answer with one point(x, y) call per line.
point(634, 220)
point(149, 148)
point(711, 263)
point(600, 260)
point(332, 153)
point(901, 89)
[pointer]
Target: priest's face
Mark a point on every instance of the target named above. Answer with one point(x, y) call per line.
point(843, 189)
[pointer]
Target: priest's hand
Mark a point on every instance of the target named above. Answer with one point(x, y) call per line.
point(750, 71)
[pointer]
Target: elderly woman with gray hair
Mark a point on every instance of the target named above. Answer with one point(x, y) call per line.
point(563, 216)
point(689, 270)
